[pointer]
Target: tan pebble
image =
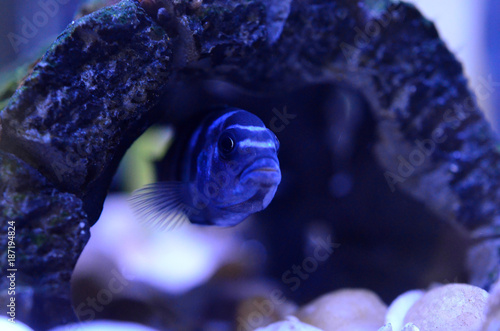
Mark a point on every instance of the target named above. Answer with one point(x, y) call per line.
point(346, 309)
point(261, 311)
point(450, 307)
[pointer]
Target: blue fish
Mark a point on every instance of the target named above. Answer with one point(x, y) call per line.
point(226, 171)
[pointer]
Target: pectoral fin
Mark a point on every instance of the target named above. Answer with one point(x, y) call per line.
point(161, 205)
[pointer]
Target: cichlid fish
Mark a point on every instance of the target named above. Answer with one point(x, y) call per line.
point(227, 170)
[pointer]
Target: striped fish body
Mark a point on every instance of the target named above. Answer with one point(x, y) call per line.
point(227, 170)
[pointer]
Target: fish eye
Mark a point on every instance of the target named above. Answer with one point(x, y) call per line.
point(226, 143)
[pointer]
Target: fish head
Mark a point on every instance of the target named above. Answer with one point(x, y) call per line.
point(244, 171)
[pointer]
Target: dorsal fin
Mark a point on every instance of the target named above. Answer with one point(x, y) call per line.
point(171, 167)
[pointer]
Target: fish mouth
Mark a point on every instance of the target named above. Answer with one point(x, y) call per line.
point(264, 171)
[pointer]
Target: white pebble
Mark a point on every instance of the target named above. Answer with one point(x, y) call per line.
point(493, 309)
point(18, 326)
point(387, 327)
point(410, 327)
point(103, 326)
point(291, 323)
point(400, 306)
